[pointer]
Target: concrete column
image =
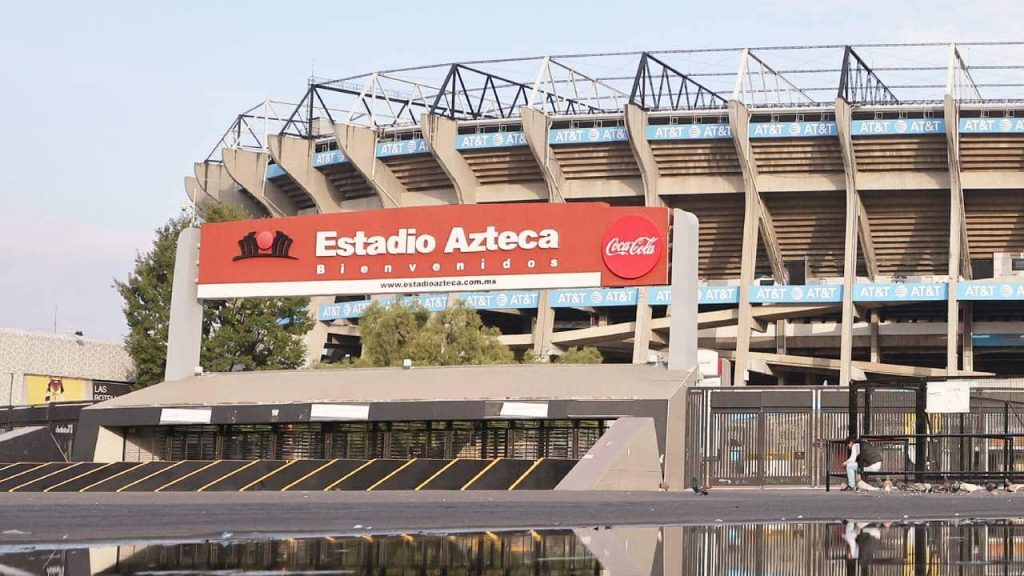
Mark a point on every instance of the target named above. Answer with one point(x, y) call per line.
point(440, 134)
point(316, 339)
point(876, 353)
point(185, 326)
point(959, 254)
point(642, 331)
point(295, 156)
point(249, 169)
point(360, 145)
point(739, 121)
point(535, 128)
point(544, 325)
point(682, 343)
point(843, 124)
point(636, 130)
point(215, 181)
point(968, 335)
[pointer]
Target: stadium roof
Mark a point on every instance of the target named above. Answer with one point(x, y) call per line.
point(702, 80)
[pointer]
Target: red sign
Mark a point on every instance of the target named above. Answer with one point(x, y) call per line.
point(633, 246)
point(436, 249)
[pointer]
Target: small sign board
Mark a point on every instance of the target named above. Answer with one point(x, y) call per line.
point(948, 397)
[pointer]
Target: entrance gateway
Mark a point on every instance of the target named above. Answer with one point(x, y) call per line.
point(638, 408)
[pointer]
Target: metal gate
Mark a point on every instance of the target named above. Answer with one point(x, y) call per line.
point(778, 436)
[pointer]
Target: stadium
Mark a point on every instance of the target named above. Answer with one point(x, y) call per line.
point(873, 210)
point(858, 222)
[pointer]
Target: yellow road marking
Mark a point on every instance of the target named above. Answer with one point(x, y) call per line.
point(267, 475)
point(8, 466)
point(349, 475)
point(396, 471)
point(479, 474)
point(139, 465)
point(190, 474)
point(319, 468)
point(438, 473)
point(148, 476)
point(23, 472)
point(45, 476)
point(525, 474)
point(226, 476)
point(79, 476)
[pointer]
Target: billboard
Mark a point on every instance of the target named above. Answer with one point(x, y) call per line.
point(436, 249)
point(48, 389)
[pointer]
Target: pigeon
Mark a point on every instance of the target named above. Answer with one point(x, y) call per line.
point(887, 485)
point(1012, 488)
point(697, 488)
point(991, 488)
point(862, 485)
point(969, 488)
point(919, 487)
point(946, 487)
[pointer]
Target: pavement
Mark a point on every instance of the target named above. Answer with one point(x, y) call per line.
point(66, 518)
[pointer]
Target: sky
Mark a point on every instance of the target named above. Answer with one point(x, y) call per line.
point(108, 104)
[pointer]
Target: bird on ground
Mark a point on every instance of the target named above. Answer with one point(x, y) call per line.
point(969, 488)
point(1012, 488)
point(991, 488)
point(946, 486)
point(697, 488)
point(887, 485)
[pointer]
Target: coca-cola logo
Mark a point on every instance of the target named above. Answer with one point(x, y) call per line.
point(632, 247)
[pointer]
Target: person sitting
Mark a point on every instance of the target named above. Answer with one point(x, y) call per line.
point(864, 457)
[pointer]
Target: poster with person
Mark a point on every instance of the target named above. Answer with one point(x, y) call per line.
point(41, 389)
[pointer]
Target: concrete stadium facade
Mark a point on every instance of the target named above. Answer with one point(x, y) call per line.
point(849, 229)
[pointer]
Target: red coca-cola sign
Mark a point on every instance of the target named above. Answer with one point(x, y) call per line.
point(632, 247)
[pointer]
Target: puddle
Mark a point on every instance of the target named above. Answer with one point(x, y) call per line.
point(964, 547)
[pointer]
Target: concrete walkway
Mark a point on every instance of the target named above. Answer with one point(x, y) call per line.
point(73, 517)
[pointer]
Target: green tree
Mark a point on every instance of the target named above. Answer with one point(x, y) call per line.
point(251, 334)
point(577, 355)
point(387, 331)
point(451, 337)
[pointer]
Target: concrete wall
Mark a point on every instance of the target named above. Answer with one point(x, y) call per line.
point(64, 355)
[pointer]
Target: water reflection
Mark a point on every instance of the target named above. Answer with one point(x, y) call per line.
point(849, 548)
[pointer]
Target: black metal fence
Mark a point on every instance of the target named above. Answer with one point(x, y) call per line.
point(780, 436)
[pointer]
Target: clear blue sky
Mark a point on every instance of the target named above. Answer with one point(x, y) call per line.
point(107, 104)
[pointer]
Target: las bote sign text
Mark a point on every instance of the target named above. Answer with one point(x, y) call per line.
point(436, 249)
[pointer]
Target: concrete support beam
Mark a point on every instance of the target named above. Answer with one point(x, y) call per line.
point(843, 123)
point(756, 222)
point(196, 195)
point(642, 328)
point(636, 131)
point(959, 251)
point(535, 128)
point(544, 325)
point(739, 120)
point(217, 184)
point(440, 134)
point(294, 156)
point(249, 169)
point(876, 354)
point(316, 338)
point(968, 335)
point(360, 145)
point(859, 370)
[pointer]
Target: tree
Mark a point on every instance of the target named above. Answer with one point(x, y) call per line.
point(577, 355)
point(453, 336)
point(251, 334)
